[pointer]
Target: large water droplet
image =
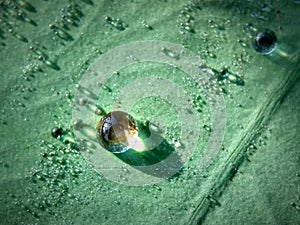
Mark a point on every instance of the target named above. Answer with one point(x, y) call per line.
point(117, 132)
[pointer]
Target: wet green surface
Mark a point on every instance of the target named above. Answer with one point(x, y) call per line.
point(265, 189)
point(253, 180)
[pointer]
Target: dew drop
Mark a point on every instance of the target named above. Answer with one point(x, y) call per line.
point(146, 25)
point(26, 5)
point(296, 206)
point(78, 124)
point(116, 130)
point(171, 53)
point(57, 132)
point(116, 23)
point(265, 42)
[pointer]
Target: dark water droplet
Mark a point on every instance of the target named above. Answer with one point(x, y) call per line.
point(265, 42)
point(224, 73)
point(89, 2)
point(57, 132)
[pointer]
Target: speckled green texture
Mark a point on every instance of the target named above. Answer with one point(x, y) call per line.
point(253, 180)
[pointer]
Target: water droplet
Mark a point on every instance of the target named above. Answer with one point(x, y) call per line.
point(171, 53)
point(242, 43)
point(17, 35)
point(78, 124)
point(83, 101)
point(57, 132)
point(26, 5)
point(51, 64)
point(265, 42)
point(213, 200)
point(146, 25)
point(249, 27)
point(116, 130)
point(116, 23)
point(224, 73)
point(296, 206)
point(63, 34)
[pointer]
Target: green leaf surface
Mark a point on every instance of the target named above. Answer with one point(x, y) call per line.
point(46, 47)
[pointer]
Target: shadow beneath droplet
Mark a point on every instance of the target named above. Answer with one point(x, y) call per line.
point(20, 37)
point(79, 13)
point(26, 5)
point(32, 22)
point(88, 93)
point(64, 35)
point(147, 158)
point(161, 162)
point(2, 34)
point(177, 174)
point(88, 132)
point(52, 65)
point(89, 2)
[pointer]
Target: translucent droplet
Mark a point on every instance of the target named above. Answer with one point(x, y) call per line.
point(265, 42)
point(171, 53)
point(116, 23)
point(26, 5)
point(117, 132)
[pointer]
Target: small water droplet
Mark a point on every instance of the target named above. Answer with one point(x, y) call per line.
point(78, 124)
point(116, 23)
point(265, 42)
point(296, 206)
point(57, 132)
point(171, 53)
point(26, 5)
point(146, 25)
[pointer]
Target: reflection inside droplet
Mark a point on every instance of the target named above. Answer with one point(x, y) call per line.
point(117, 132)
point(265, 42)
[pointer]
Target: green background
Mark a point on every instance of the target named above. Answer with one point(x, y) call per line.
point(253, 180)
